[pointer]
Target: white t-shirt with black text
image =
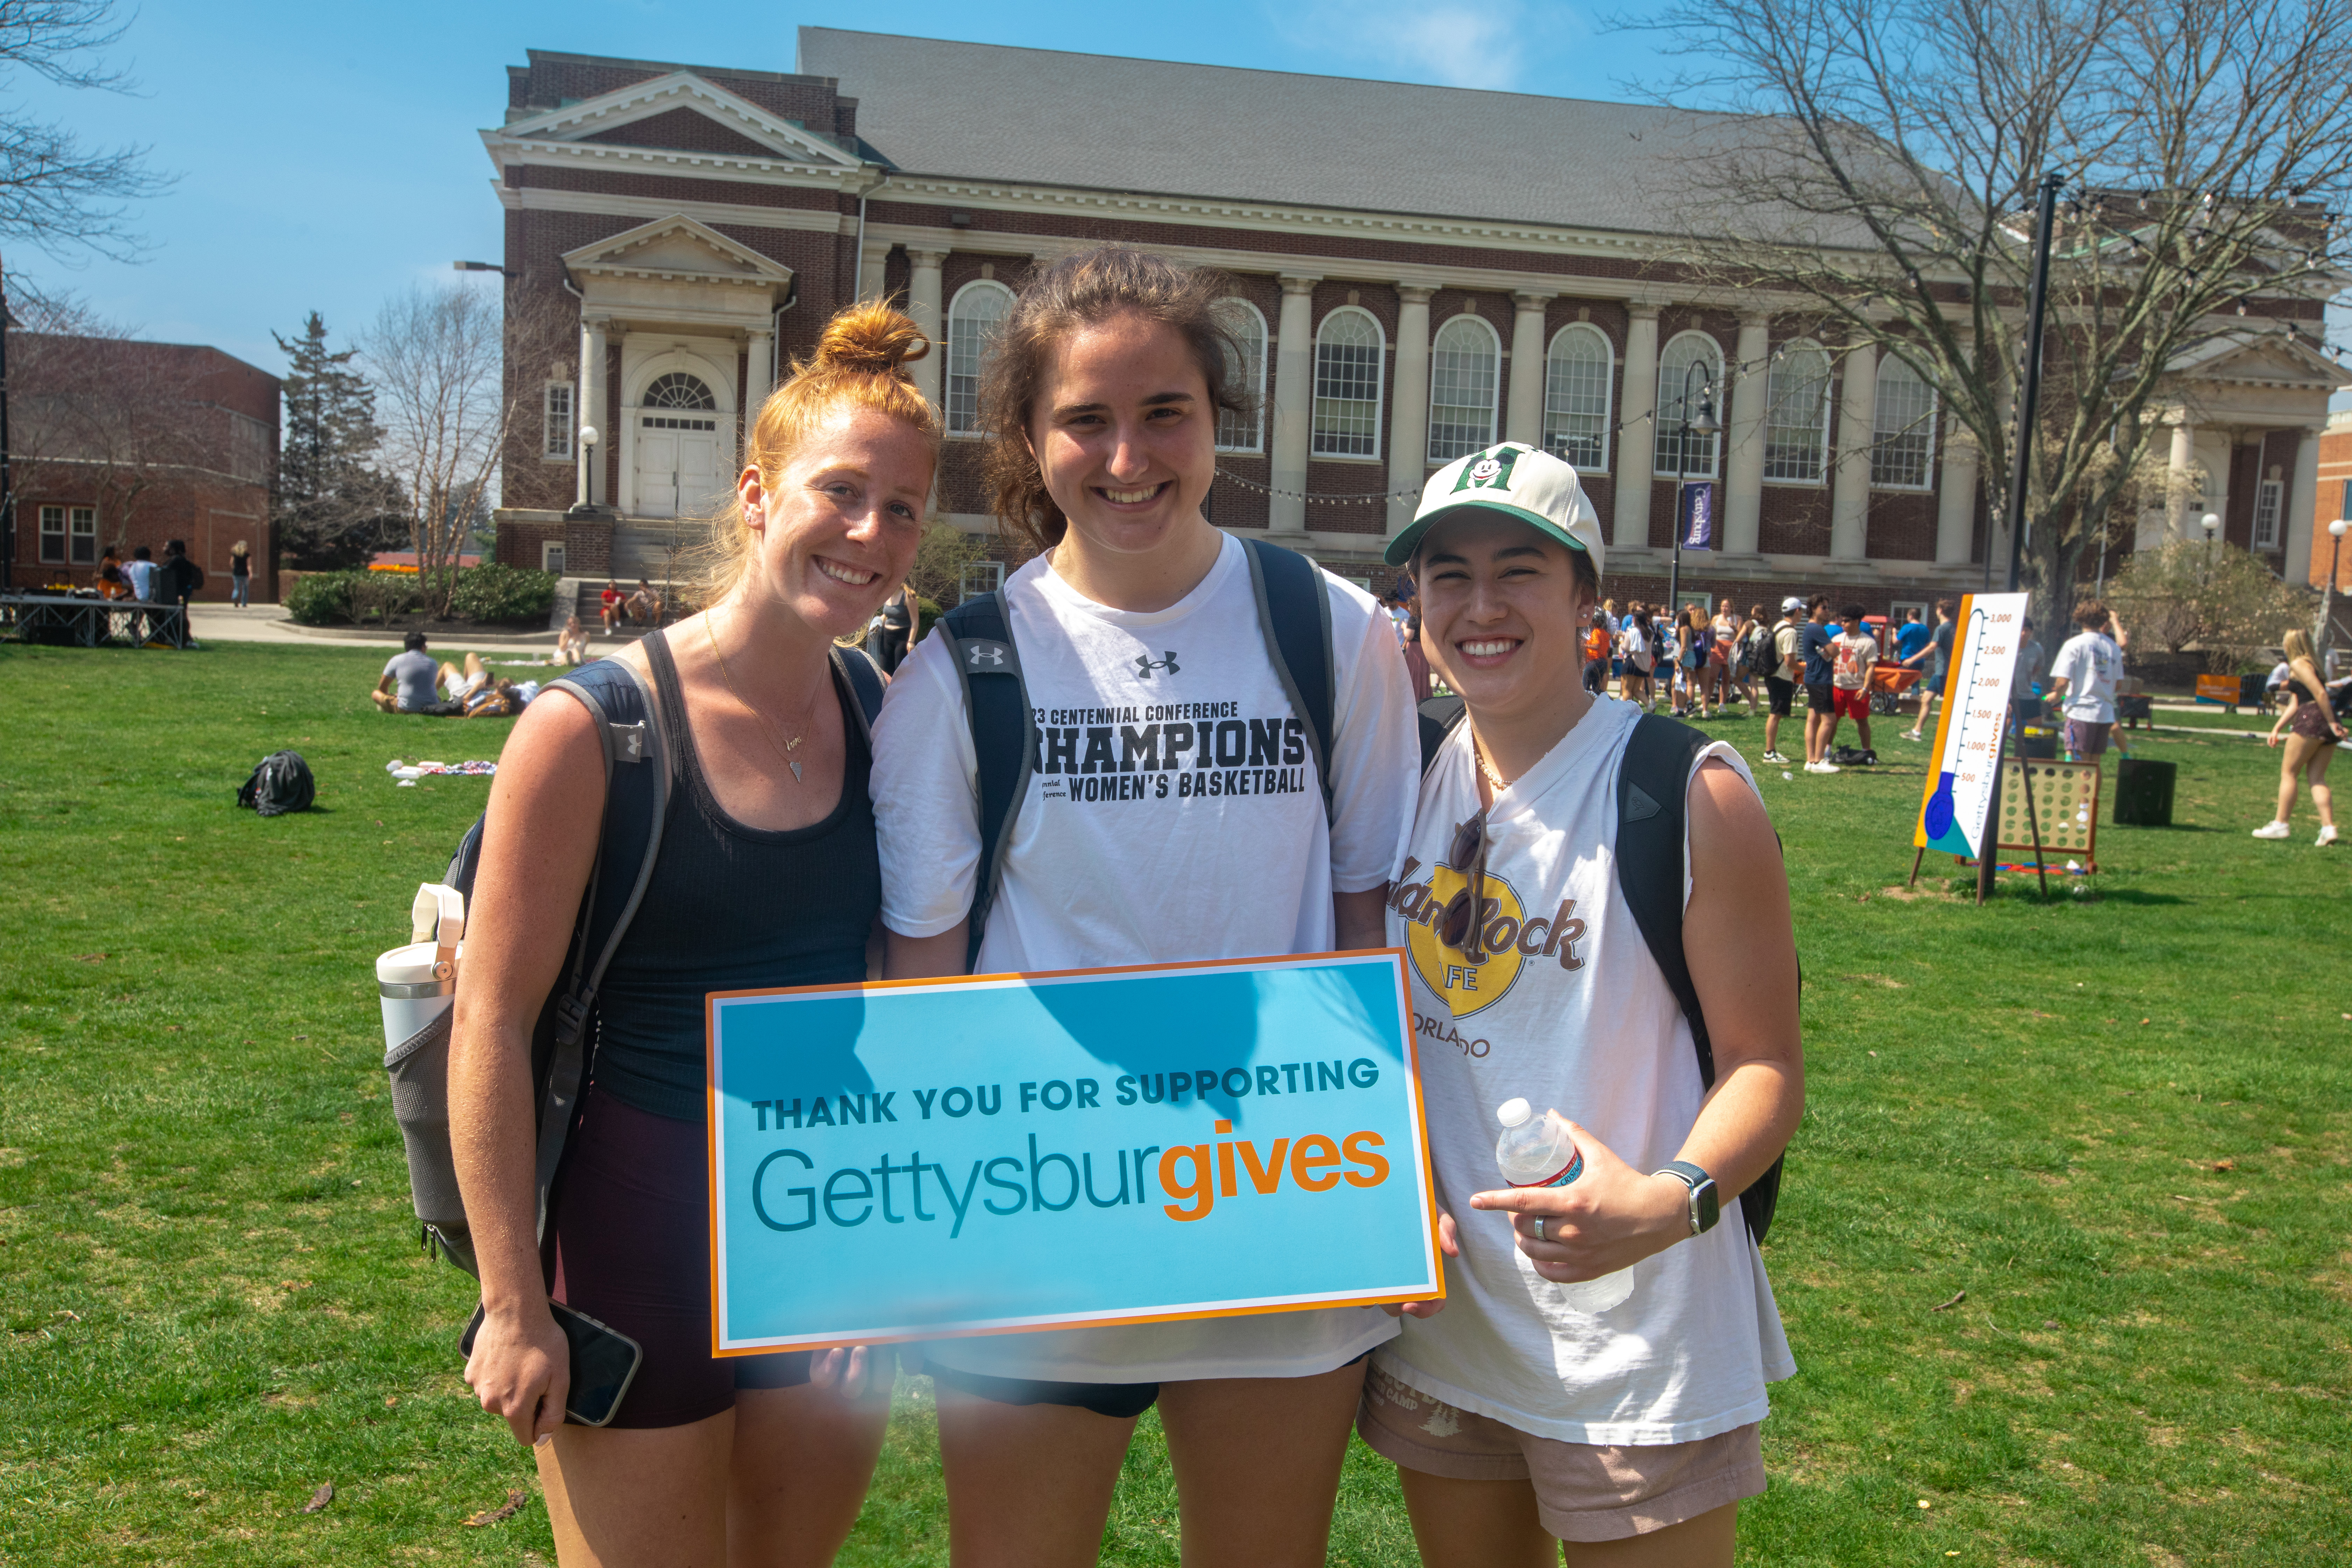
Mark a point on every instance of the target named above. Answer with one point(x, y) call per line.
point(1569, 1011)
point(2089, 664)
point(1175, 813)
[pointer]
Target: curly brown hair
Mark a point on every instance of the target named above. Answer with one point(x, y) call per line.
point(1083, 290)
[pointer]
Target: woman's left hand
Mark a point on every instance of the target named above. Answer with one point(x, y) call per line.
point(843, 1370)
point(1610, 1217)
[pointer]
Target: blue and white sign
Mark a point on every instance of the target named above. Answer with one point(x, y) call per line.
point(992, 1154)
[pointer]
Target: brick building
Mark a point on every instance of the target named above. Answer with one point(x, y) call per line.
point(122, 443)
point(1426, 270)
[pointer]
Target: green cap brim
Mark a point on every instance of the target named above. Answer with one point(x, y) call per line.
point(1400, 549)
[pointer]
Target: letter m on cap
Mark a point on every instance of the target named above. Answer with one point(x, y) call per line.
point(1489, 470)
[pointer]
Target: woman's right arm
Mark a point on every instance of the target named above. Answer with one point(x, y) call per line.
point(2310, 672)
point(539, 842)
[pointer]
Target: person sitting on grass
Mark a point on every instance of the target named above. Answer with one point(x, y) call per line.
point(411, 682)
point(501, 698)
point(572, 642)
point(464, 682)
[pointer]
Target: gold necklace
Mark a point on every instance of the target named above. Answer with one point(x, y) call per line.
point(785, 749)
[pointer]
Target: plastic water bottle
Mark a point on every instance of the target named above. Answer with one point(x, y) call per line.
point(1539, 1152)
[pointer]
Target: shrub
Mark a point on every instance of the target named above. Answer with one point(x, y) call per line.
point(320, 598)
point(492, 595)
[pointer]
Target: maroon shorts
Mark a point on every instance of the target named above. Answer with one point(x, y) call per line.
point(630, 1220)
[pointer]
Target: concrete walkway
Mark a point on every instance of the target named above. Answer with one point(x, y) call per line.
point(269, 624)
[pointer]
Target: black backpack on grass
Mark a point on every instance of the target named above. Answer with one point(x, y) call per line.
point(636, 804)
point(282, 782)
point(1653, 803)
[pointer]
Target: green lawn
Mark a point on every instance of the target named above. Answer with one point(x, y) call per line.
point(2118, 1124)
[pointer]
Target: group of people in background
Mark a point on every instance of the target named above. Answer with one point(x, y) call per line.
point(413, 681)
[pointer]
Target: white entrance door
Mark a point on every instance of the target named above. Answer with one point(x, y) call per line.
point(657, 470)
point(678, 463)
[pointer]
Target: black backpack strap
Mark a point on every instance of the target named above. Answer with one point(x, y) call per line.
point(1439, 718)
point(1653, 820)
point(857, 673)
point(1003, 735)
point(1294, 612)
point(637, 802)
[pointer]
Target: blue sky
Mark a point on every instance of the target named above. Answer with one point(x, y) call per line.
point(326, 154)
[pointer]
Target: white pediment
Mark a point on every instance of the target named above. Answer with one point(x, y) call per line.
point(680, 250)
point(2271, 359)
point(680, 89)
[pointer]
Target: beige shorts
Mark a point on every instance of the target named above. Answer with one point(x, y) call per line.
point(1585, 1491)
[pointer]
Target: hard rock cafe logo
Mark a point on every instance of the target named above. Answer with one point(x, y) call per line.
point(1510, 939)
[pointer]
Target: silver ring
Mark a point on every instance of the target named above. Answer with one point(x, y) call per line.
point(1539, 1235)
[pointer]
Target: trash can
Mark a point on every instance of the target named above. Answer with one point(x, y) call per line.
point(2144, 793)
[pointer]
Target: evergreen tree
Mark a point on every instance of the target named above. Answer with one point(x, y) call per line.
point(331, 508)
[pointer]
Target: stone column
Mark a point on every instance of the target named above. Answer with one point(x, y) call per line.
point(2302, 513)
point(1743, 461)
point(1408, 404)
point(1294, 405)
point(923, 306)
point(2177, 480)
point(1850, 500)
point(1637, 435)
point(595, 462)
point(1523, 413)
point(759, 377)
point(874, 268)
point(1956, 497)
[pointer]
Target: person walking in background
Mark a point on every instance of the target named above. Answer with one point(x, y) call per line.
point(1853, 651)
point(240, 574)
point(1814, 654)
point(1788, 670)
point(1936, 658)
point(2312, 730)
point(1910, 637)
point(2083, 680)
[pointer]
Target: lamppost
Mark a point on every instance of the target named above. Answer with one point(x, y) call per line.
point(2336, 532)
point(1703, 426)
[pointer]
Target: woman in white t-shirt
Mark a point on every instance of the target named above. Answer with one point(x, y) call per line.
point(1103, 395)
point(1518, 1420)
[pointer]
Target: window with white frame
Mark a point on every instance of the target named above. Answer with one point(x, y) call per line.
point(555, 421)
point(1903, 429)
point(978, 309)
point(1576, 398)
point(81, 537)
point(1796, 415)
point(1679, 451)
point(1462, 361)
point(1348, 355)
point(1245, 432)
point(53, 533)
point(2269, 498)
point(981, 577)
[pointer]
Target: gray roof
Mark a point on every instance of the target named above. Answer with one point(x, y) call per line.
point(983, 111)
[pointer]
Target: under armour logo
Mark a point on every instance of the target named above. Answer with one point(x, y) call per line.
point(1145, 664)
point(985, 655)
point(632, 738)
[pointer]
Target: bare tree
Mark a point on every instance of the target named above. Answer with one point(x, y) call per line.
point(94, 411)
point(55, 192)
point(1879, 162)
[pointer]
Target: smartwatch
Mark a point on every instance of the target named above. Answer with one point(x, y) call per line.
point(1705, 1204)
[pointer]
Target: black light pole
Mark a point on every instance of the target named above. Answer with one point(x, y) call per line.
point(1705, 425)
point(2029, 400)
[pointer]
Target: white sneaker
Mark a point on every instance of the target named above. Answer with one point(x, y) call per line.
point(1776, 759)
point(1912, 735)
point(2326, 835)
point(2273, 830)
point(1828, 767)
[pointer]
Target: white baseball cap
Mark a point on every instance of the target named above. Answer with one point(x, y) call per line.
point(1793, 603)
point(1516, 481)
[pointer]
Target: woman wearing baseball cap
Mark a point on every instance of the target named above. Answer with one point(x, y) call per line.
point(1518, 1418)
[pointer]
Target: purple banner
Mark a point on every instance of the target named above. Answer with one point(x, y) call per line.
point(1695, 515)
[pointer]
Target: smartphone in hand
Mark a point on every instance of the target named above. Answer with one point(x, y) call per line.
point(604, 1362)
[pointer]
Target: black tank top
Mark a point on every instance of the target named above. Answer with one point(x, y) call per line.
point(731, 908)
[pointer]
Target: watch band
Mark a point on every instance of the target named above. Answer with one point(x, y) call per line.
point(1706, 1203)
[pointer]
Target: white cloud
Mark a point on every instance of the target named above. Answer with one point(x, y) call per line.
point(1494, 44)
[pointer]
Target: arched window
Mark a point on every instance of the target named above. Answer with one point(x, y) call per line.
point(1245, 432)
point(972, 320)
point(1797, 423)
point(1348, 355)
point(1679, 452)
point(1576, 398)
point(679, 390)
point(1462, 363)
point(1903, 429)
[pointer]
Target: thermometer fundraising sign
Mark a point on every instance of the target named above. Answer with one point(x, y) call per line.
point(1990, 632)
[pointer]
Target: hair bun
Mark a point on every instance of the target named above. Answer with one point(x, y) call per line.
point(872, 338)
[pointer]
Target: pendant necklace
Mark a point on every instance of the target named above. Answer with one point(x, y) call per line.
point(785, 749)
